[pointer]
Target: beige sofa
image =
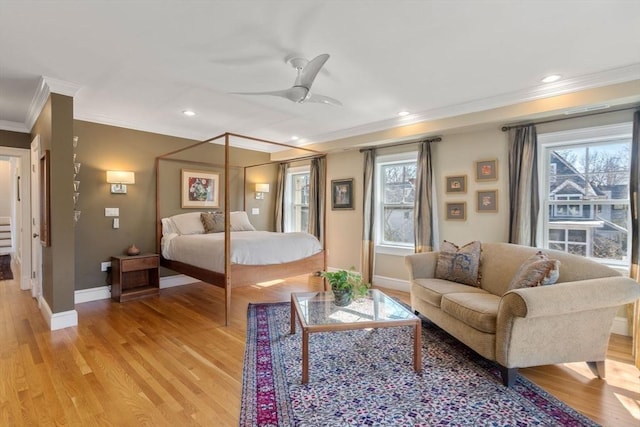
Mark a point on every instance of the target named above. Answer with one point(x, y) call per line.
point(569, 321)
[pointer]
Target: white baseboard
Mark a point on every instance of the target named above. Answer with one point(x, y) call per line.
point(391, 283)
point(620, 326)
point(104, 292)
point(65, 319)
point(92, 294)
point(176, 280)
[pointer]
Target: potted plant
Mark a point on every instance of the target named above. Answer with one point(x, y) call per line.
point(346, 285)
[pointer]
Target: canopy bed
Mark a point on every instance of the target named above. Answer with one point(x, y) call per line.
point(221, 247)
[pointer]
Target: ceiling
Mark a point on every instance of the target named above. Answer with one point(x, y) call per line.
point(140, 64)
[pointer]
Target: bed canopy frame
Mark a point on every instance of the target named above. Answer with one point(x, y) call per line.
point(236, 275)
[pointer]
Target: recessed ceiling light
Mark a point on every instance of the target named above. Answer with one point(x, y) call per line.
point(403, 113)
point(189, 113)
point(294, 138)
point(551, 78)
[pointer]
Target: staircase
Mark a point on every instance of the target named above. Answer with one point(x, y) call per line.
point(6, 243)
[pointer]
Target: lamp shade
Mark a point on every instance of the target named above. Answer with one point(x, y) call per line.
point(262, 188)
point(121, 177)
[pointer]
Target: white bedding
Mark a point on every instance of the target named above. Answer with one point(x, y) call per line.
point(247, 247)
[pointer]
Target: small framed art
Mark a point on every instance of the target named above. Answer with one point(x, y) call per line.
point(456, 211)
point(200, 189)
point(487, 170)
point(456, 184)
point(487, 201)
point(342, 194)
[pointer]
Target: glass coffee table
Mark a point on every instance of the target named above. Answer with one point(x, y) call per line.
point(316, 312)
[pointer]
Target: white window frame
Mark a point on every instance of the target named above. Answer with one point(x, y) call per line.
point(577, 137)
point(384, 247)
point(289, 189)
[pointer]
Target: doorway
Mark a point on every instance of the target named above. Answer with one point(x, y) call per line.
point(18, 208)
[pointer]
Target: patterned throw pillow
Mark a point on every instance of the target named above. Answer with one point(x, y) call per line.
point(459, 264)
point(213, 222)
point(536, 270)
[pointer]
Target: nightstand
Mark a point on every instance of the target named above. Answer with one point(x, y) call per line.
point(134, 276)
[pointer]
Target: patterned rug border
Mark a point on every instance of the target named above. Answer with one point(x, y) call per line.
point(265, 390)
point(5, 267)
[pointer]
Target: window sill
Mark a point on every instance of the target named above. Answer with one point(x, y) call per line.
point(393, 250)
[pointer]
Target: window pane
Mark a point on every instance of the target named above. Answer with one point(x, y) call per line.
point(556, 234)
point(577, 249)
point(587, 195)
point(398, 183)
point(577, 235)
point(297, 201)
point(557, 246)
point(398, 225)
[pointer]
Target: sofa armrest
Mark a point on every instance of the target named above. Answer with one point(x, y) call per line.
point(570, 297)
point(421, 265)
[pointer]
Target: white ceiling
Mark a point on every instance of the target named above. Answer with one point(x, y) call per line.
point(139, 64)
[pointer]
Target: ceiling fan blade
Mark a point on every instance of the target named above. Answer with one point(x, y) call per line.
point(310, 71)
point(323, 99)
point(295, 94)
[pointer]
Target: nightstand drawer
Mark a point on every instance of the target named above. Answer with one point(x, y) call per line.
point(143, 263)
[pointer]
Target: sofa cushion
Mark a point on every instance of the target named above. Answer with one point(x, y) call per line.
point(479, 311)
point(459, 264)
point(432, 290)
point(536, 270)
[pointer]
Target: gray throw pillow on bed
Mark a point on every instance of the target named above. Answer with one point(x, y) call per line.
point(213, 222)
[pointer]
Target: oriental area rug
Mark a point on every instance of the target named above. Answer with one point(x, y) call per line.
point(366, 378)
point(5, 267)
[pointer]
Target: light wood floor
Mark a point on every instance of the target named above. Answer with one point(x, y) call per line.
point(169, 361)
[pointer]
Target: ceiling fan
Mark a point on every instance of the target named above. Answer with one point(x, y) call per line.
point(300, 91)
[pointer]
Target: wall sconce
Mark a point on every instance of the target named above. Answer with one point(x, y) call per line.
point(119, 179)
point(260, 190)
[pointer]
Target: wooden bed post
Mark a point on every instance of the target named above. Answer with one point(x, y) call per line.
point(227, 235)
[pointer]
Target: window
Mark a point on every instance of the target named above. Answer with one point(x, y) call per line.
point(586, 192)
point(395, 179)
point(296, 212)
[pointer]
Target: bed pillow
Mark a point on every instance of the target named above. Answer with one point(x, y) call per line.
point(188, 223)
point(459, 264)
point(536, 270)
point(240, 221)
point(168, 227)
point(213, 222)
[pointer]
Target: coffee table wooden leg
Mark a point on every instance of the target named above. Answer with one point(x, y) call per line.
point(417, 347)
point(305, 356)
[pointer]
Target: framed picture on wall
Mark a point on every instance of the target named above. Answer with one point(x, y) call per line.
point(487, 201)
point(456, 184)
point(342, 194)
point(487, 170)
point(456, 211)
point(200, 189)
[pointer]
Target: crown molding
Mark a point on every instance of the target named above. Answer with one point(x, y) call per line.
point(576, 84)
point(46, 87)
point(13, 126)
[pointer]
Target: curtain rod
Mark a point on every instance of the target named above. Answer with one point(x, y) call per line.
point(397, 144)
point(577, 116)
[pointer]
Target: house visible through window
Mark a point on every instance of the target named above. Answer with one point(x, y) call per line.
point(296, 212)
point(586, 192)
point(395, 178)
